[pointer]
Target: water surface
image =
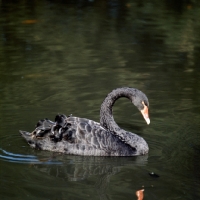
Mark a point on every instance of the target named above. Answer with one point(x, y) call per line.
point(64, 57)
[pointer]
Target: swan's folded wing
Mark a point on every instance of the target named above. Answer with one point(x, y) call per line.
point(93, 139)
point(77, 136)
point(88, 132)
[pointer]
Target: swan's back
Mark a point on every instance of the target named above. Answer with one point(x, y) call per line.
point(77, 136)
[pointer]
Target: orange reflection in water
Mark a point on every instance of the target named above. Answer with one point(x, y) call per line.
point(140, 194)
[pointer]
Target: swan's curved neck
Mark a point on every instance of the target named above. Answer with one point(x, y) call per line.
point(106, 117)
point(137, 143)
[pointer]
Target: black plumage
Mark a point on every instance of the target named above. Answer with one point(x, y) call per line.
point(80, 136)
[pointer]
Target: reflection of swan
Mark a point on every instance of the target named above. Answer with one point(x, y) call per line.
point(76, 168)
point(95, 172)
point(79, 136)
point(65, 176)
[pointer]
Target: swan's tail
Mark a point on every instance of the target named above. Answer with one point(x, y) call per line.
point(48, 130)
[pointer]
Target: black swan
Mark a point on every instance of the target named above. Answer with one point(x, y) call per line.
point(80, 136)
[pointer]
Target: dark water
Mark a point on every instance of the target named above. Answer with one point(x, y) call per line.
point(64, 57)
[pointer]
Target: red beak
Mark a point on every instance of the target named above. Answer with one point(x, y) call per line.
point(145, 113)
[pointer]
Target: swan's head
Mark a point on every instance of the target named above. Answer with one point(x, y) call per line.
point(140, 100)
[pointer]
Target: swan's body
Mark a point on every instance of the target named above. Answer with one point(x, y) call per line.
point(80, 136)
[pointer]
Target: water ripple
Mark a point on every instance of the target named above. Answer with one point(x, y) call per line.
point(20, 158)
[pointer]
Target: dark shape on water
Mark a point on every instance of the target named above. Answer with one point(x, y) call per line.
point(152, 174)
point(80, 136)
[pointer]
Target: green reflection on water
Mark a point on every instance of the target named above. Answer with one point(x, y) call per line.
point(68, 60)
